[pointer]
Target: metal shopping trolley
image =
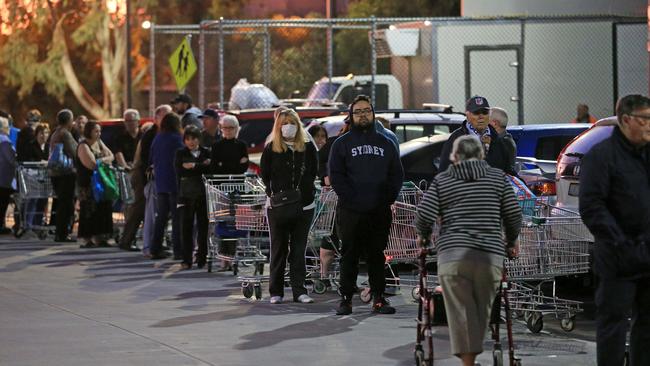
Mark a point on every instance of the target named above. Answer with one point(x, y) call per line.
point(322, 228)
point(554, 242)
point(120, 207)
point(236, 239)
point(33, 201)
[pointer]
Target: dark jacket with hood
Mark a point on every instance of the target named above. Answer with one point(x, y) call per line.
point(365, 169)
point(473, 201)
point(615, 203)
point(498, 155)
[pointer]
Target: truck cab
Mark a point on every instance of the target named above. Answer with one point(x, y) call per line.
point(343, 90)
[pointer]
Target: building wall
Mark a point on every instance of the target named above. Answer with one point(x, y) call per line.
point(475, 8)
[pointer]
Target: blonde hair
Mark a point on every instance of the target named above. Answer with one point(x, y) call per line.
point(4, 126)
point(277, 141)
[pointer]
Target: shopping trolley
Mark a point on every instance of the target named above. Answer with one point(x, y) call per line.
point(120, 207)
point(554, 242)
point(322, 228)
point(233, 238)
point(33, 201)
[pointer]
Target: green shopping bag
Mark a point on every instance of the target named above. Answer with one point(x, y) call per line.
point(111, 186)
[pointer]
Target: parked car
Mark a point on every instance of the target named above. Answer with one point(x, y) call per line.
point(568, 165)
point(421, 157)
point(538, 146)
point(256, 124)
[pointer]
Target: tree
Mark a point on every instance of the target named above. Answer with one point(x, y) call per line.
point(51, 41)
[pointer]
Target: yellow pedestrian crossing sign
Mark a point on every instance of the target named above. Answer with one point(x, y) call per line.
point(183, 64)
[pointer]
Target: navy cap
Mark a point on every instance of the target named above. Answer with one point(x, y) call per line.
point(210, 113)
point(182, 98)
point(476, 103)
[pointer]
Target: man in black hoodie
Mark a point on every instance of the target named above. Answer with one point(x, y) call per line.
point(477, 123)
point(366, 174)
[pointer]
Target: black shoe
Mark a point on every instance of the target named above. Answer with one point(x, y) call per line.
point(178, 257)
point(66, 239)
point(88, 244)
point(345, 307)
point(200, 264)
point(161, 255)
point(130, 248)
point(381, 306)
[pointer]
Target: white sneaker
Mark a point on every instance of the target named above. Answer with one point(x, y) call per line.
point(276, 300)
point(305, 299)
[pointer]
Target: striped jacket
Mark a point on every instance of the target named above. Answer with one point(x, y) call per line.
point(471, 200)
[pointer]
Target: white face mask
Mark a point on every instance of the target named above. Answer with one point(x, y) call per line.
point(289, 131)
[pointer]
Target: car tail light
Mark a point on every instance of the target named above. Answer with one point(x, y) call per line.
point(543, 188)
point(568, 166)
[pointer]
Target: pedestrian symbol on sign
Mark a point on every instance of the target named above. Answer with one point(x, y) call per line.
point(183, 64)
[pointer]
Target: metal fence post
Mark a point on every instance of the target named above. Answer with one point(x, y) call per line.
point(221, 63)
point(330, 59)
point(201, 66)
point(373, 58)
point(152, 67)
point(267, 57)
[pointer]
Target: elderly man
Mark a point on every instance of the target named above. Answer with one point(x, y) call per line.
point(615, 206)
point(477, 123)
point(127, 141)
point(499, 121)
point(125, 150)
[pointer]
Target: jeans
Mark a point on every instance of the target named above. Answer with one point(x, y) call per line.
point(166, 206)
point(149, 216)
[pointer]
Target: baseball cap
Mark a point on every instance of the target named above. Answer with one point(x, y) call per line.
point(210, 113)
point(185, 98)
point(476, 103)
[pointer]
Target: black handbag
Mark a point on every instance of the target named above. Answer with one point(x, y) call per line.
point(287, 205)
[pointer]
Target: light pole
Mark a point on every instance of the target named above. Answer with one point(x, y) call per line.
point(127, 81)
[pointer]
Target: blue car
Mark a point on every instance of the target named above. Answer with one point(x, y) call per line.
point(544, 141)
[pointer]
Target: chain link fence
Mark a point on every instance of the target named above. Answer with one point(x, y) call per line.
point(538, 69)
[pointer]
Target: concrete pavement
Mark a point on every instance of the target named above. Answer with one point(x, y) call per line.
point(61, 305)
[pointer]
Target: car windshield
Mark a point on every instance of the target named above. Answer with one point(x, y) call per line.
point(587, 140)
point(321, 90)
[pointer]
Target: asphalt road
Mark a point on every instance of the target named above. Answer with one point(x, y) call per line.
point(61, 305)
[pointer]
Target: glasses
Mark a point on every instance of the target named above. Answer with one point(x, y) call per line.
point(358, 112)
point(643, 119)
point(227, 128)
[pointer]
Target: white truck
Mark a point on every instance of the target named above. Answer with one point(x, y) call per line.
point(343, 89)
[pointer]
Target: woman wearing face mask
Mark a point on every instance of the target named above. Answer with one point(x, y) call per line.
point(289, 166)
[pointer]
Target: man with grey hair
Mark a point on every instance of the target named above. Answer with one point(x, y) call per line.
point(475, 233)
point(499, 121)
point(127, 141)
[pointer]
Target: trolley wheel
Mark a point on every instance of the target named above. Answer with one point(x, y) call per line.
point(517, 361)
point(247, 290)
point(535, 323)
point(568, 324)
point(415, 293)
point(319, 287)
point(259, 268)
point(209, 265)
point(258, 291)
point(235, 269)
point(419, 356)
point(365, 295)
point(497, 357)
point(42, 235)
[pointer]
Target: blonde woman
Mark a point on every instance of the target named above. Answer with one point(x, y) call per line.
point(289, 166)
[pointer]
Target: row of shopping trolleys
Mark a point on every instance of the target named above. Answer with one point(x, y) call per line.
point(553, 243)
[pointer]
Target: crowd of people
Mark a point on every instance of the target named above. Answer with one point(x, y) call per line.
point(470, 200)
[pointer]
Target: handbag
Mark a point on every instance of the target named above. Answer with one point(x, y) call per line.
point(59, 162)
point(287, 205)
point(111, 186)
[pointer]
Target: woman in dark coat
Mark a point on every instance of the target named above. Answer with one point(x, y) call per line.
point(289, 162)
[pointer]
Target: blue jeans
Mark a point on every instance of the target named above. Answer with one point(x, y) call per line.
point(166, 205)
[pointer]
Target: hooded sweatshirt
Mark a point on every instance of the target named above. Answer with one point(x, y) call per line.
point(472, 200)
point(365, 170)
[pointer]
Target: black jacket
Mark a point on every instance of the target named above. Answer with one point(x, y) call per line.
point(24, 143)
point(615, 197)
point(227, 156)
point(279, 168)
point(498, 156)
point(190, 181)
point(365, 170)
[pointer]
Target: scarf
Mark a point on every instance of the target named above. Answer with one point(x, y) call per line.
point(484, 136)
